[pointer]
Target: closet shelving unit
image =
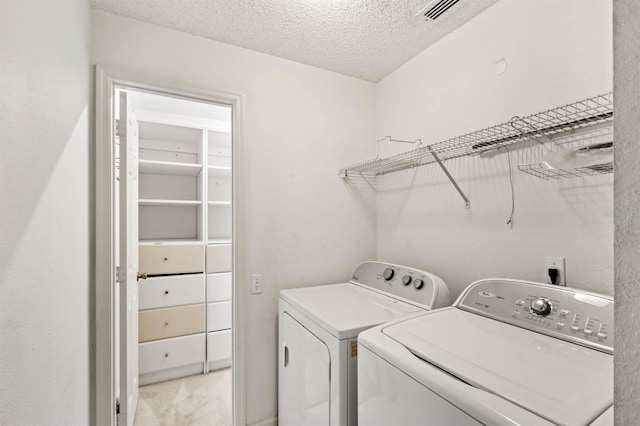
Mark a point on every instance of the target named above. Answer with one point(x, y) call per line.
point(219, 258)
point(185, 247)
point(542, 127)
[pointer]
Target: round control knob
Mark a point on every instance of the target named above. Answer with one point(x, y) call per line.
point(406, 280)
point(388, 274)
point(418, 283)
point(541, 306)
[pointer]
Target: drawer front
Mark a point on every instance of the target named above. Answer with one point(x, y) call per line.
point(219, 258)
point(218, 316)
point(163, 323)
point(159, 259)
point(160, 292)
point(171, 353)
point(219, 345)
point(219, 287)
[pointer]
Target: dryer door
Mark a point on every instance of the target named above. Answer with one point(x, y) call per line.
point(304, 387)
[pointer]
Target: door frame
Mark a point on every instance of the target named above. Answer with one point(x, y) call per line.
point(106, 80)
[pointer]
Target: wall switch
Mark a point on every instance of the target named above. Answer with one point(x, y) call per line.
point(256, 284)
point(555, 263)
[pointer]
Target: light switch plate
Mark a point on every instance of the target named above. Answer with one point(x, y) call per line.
point(256, 284)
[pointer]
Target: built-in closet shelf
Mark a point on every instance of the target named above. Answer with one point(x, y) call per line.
point(540, 127)
point(219, 171)
point(174, 241)
point(169, 203)
point(169, 168)
point(220, 203)
point(212, 241)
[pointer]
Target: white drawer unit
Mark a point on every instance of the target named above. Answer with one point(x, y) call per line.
point(170, 358)
point(164, 323)
point(219, 287)
point(218, 316)
point(163, 258)
point(173, 290)
point(218, 258)
point(219, 349)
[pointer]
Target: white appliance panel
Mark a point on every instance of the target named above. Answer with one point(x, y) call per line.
point(558, 380)
point(303, 374)
point(345, 310)
point(387, 393)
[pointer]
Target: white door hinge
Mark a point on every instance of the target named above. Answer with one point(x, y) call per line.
point(121, 275)
point(119, 129)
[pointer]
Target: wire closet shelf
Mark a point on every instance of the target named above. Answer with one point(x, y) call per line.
point(540, 127)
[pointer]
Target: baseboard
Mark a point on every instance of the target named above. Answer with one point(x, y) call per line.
point(268, 422)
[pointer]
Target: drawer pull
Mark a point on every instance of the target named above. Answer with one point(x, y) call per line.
point(166, 355)
point(166, 323)
point(166, 292)
point(165, 259)
point(141, 276)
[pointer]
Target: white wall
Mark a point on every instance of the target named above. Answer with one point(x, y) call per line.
point(557, 52)
point(44, 237)
point(304, 226)
point(627, 210)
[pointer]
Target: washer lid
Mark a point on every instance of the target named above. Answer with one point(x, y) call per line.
point(345, 310)
point(560, 381)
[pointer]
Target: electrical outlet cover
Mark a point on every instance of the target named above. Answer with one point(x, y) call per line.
point(555, 263)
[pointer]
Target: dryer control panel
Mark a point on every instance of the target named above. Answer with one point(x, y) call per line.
point(570, 314)
point(409, 284)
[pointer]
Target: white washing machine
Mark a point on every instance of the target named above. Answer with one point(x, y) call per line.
point(507, 352)
point(318, 327)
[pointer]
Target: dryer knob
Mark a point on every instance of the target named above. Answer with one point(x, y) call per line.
point(418, 283)
point(406, 280)
point(388, 274)
point(541, 306)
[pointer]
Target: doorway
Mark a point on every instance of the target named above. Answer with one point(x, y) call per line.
point(174, 247)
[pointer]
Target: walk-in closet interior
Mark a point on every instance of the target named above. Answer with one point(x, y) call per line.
point(184, 236)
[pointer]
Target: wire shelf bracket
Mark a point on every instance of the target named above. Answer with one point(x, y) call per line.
point(453, 181)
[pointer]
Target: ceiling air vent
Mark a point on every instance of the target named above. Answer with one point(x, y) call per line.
point(436, 8)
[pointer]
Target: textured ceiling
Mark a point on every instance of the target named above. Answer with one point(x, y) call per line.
point(367, 39)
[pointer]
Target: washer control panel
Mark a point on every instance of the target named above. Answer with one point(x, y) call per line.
point(570, 314)
point(411, 284)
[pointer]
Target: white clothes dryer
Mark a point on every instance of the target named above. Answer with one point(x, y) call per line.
point(318, 328)
point(508, 352)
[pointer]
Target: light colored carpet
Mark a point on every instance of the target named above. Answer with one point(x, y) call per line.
point(203, 399)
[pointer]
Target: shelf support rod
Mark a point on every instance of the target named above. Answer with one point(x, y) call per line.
point(453, 181)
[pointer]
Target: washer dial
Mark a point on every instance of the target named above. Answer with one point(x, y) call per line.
point(541, 306)
point(418, 283)
point(406, 280)
point(388, 274)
